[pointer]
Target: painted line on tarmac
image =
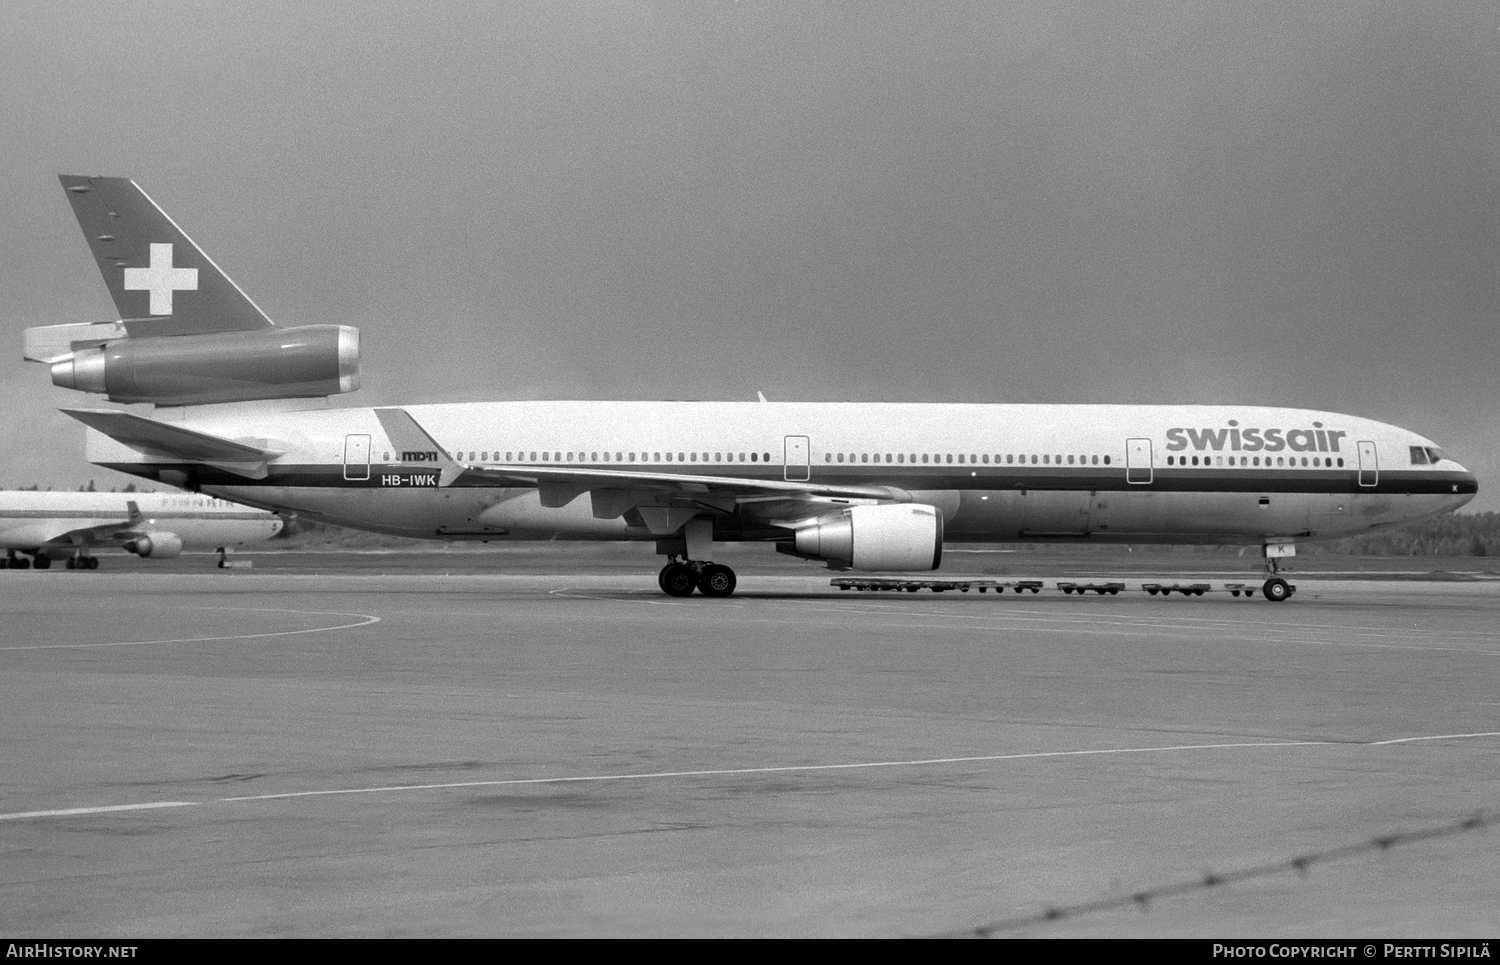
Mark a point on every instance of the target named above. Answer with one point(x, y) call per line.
point(105, 809)
point(1435, 737)
point(365, 619)
point(864, 765)
point(737, 772)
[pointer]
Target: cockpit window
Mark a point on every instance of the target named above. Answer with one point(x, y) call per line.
point(1436, 455)
point(1419, 456)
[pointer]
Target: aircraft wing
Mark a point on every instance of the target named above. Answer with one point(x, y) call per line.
point(612, 488)
point(164, 440)
point(42, 530)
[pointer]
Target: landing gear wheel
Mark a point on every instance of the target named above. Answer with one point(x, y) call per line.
point(1276, 589)
point(43, 562)
point(717, 580)
point(678, 579)
point(93, 563)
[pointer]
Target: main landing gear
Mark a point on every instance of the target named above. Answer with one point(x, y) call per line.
point(681, 577)
point(42, 561)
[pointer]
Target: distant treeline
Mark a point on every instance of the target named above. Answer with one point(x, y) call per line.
point(1456, 534)
point(1466, 534)
point(90, 488)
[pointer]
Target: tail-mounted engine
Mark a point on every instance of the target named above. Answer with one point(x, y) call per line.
point(894, 537)
point(273, 363)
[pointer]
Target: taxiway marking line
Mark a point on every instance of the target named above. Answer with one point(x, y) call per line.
point(1434, 737)
point(103, 809)
point(365, 620)
point(781, 769)
point(738, 772)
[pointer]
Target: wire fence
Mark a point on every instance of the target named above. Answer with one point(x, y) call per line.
point(1300, 864)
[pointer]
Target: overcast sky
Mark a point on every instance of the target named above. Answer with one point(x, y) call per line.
point(1274, 203)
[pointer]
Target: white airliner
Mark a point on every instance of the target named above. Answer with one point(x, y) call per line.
point(872, 487)
point(70, 526)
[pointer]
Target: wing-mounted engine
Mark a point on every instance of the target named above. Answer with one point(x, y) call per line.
point(882, 537)
point(155, 545)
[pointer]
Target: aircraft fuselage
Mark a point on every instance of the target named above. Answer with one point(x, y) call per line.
point(998, 472)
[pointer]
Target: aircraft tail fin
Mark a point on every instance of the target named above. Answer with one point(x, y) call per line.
point(161, 281)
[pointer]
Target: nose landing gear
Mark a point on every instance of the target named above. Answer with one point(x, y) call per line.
point(1275, 588)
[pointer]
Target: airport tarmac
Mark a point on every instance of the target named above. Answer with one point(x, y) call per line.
point(382, 746)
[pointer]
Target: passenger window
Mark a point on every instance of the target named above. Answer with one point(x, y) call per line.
point(753, 457)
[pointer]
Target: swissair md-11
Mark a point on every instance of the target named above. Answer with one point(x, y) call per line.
point(241, 414)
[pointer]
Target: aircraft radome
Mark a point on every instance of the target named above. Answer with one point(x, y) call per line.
point(866, 486)
point(37, 528)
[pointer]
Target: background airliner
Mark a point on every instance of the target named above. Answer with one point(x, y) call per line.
point(872, 487)
point(37, 528)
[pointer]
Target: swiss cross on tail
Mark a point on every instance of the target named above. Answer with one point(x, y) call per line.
point(161, 279)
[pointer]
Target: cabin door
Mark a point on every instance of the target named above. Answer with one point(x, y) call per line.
point(798, 468)
point(1369, 464)
point(356, 457)
point(1138, 466)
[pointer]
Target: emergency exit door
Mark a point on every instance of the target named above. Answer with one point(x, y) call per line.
point(356, 457)
point(797, 467)
point(1369, 464)
point(1139, 469)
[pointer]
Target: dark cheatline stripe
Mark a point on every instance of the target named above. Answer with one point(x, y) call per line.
point(1309, 481)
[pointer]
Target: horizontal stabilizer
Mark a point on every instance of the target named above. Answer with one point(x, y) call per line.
point(163, 440)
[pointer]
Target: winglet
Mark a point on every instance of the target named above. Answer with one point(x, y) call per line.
point(413, 443)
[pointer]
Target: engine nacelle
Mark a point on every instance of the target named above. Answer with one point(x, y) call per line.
point(155, 546)
point(279, 363)
point(907, 536)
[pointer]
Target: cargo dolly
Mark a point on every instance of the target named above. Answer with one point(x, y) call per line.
point(879, 584)
point(1274, 589)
